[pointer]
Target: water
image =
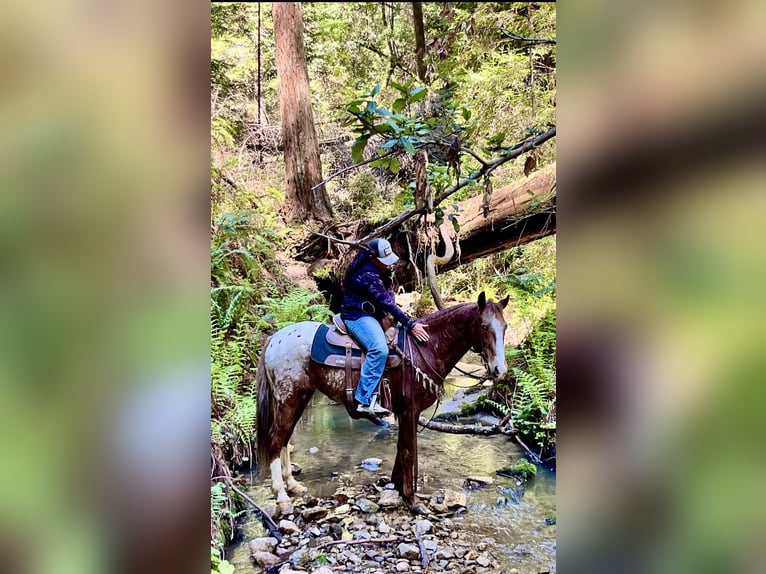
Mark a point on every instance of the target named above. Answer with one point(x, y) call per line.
point(328, 441)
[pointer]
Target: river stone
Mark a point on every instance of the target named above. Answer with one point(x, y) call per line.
point(314, 513)
point(288, 527)
point(408, 551)
point(483, 561)
point(422, 526)
point(402, 566)
point(481, 480)
point(389, 499)
point(300, 557)
point(263, 544)
point(446, 553)
point(342, 509)
point(366, 506)
point(265, 558)
point(453, 499)
point(430, 545)
point(383, 528)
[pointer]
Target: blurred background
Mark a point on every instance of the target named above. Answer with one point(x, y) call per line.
point(104, 287)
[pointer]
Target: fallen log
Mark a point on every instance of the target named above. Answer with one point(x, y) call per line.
point(477, 428)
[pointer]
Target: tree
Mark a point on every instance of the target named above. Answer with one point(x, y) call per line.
point(420, 40)
point(303, 168)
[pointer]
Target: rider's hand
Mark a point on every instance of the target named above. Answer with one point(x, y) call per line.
point(420, 333)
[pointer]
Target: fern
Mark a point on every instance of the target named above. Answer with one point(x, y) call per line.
point(297, 305)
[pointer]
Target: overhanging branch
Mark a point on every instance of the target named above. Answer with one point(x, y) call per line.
point(486, 169)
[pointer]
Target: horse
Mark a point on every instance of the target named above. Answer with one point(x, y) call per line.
point(287, 378)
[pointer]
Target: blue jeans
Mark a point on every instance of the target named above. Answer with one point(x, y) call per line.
point(369, 334)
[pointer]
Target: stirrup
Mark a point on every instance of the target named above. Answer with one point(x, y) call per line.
point(374, 407)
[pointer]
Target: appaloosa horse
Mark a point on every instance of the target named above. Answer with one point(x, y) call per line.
point(287, 378)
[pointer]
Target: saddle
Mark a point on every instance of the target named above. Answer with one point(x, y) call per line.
point(334, 347)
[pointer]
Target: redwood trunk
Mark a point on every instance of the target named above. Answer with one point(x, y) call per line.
point(303, 167)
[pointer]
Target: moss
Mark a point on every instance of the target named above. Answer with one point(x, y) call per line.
point(524, 469)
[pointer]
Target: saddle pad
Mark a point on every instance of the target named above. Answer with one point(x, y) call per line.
point(334, 356)
point(321, 349)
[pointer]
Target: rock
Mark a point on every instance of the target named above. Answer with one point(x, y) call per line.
point(314, 513)
point(341, 510)
point(372, 461)
point(351, 557)
point(300, 557)
point(408, 551)
point(362, 535)
point(313, 450)
point(423, 526)
point(288, 527)
point(446, 553)
point(402, 566)
point(483, 561)
point(263, 544)
point(430, 545)
point(474, 482)
point(389, 499)
point(321, 570)
point(366, 506)
point(265, 558)
point(383, 528)
point(453, 499)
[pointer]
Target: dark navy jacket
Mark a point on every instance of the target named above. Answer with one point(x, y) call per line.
point(368, 291)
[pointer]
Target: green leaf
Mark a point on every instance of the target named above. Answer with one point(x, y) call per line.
point(455, 223)
point(398, 105)
point(408, 147)
point(466, 114)
point(401, 88)
point(417, 94)
point(357, 149)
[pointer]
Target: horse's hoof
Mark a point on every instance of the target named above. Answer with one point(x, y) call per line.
point(419, 510)
point(297, 489)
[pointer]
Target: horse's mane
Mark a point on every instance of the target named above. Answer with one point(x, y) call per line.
point(445, 318)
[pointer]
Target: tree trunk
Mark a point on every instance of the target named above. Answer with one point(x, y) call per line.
point(303, 167)
point(518, 213)
point(420, 40)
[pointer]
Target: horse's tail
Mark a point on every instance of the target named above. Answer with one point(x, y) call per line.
point(265, 414)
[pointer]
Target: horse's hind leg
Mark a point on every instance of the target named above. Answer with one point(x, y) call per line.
point(294, 488)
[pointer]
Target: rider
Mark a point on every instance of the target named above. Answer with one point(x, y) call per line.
point(367, 297)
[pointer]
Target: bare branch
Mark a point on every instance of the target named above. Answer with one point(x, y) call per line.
point(485, 169)
point(513, 36)
point(349, 168)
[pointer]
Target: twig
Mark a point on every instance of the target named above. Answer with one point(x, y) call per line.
point(424, 559)
point(273, 528)
point(349, 168)
point(526, 448)
point(513, 36)
point(356, 244)
point(363, 541)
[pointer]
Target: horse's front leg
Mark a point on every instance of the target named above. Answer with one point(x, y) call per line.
point(405, 473)
point(294, 487)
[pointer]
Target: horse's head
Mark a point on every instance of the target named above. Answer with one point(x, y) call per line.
point(488, 333)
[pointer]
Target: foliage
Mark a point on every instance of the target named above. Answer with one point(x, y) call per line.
point(221, 518)
point(534, 393)
point(297, 305)
point(233, 402)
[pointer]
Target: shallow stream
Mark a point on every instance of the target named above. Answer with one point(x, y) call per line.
point(330, 447)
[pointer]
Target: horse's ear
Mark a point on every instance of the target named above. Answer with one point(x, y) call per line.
point(504, 302)
point(482, 301)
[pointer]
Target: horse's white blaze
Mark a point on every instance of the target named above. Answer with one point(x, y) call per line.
point(288, 350)
point(497, 328)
